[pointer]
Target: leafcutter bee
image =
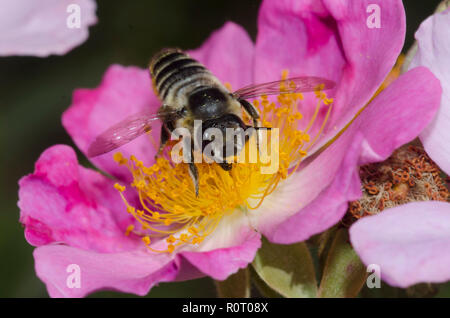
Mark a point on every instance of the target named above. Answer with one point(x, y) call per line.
point(189, 91)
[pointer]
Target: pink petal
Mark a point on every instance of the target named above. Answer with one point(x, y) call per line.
point(329, 206)
point(433, 38)
point(231, 246)
point(410, 243)
point(186, 271)
point(330, 39)
point(399, 113)
point(233, 230)
point(302, 188)
point(393, 118)
point(124, 91)
point(228, 53)
point(64, 202)
point(222, 262)
point(40, 28)
point(130, 272)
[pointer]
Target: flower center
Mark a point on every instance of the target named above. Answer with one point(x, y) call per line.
point(409, 175)
point(169, 207)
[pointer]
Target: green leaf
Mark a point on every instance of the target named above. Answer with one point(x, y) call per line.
point(444, 290)
point(235, 286)
point(287, 269)
point(261, 286)
point(344, 274)
point(325, 240)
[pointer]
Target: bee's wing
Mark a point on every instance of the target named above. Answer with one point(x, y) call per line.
point(124, 132)
point(291, 85)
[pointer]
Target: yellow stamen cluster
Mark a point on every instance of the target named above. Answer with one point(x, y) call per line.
point(169, 208)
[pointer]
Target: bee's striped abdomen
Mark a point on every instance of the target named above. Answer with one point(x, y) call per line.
point(172, 70)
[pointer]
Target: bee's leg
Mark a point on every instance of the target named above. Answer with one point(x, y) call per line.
point(253, 113)
point(166, 130)
point(193, 172)
point(226, 166)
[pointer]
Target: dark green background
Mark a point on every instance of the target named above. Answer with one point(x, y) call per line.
point(35, 91)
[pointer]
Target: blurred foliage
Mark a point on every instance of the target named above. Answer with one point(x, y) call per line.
point(34, 92)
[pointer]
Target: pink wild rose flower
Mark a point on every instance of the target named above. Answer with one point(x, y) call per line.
point(411, 243)
point(45, 27)
point(73, 215)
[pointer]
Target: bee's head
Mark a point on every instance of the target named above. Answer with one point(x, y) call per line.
point(223, 137)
